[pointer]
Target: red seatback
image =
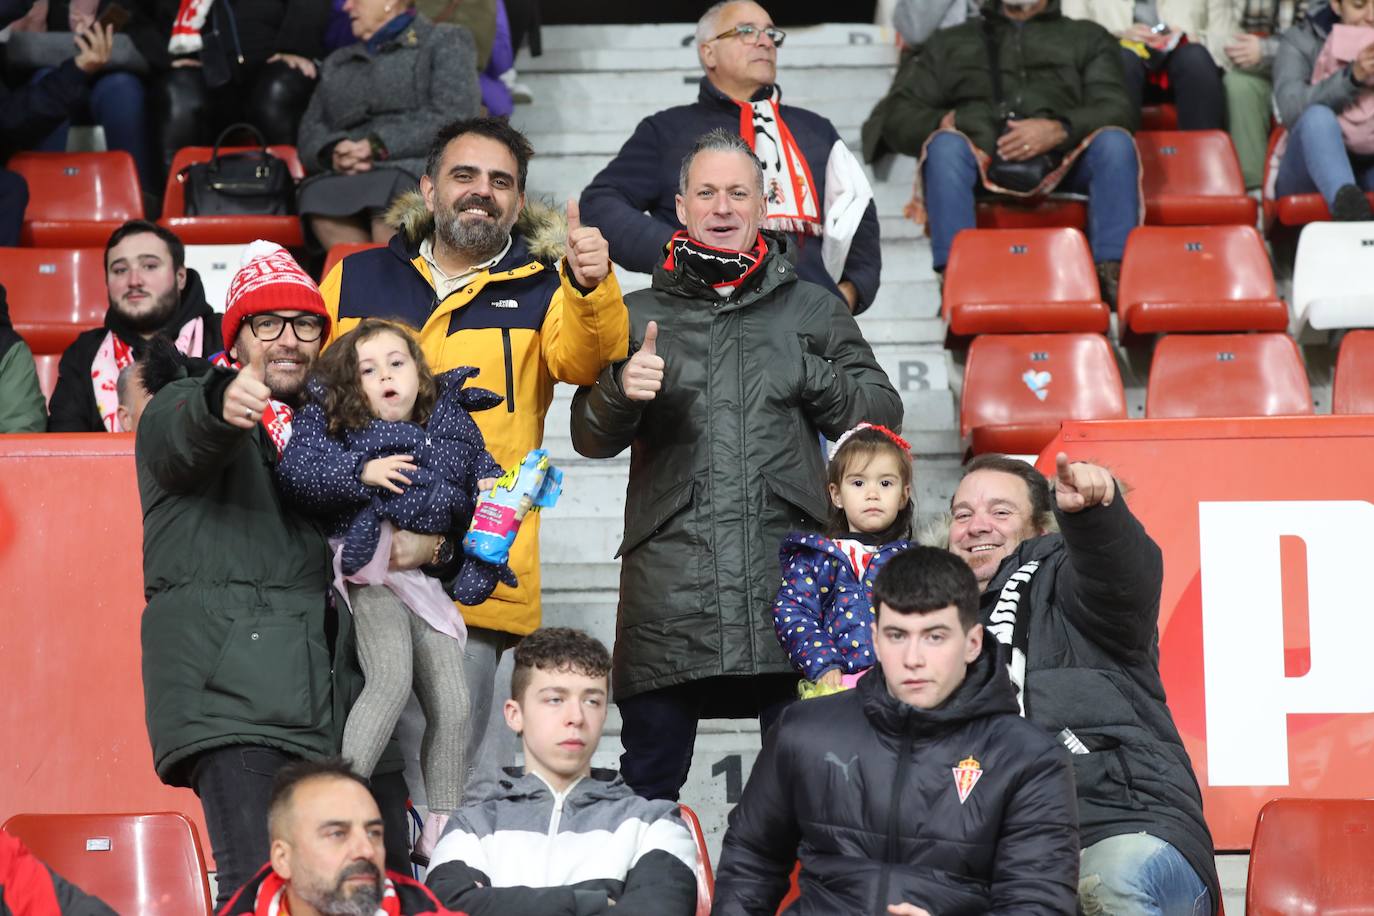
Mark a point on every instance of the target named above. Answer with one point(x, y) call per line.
point(46, 364)
point(1227, 375)
point(338, 252)
point(1312, 855)
point(1192, 178)
point(706, 881)
point(227, 230)
point(54, 293)
point(77, 199)
point(1353, 388)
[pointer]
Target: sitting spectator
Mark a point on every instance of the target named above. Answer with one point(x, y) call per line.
point(614, 853)
point(380, 102)
point(328, 854)
point(22, 408)
point(133, 396)
point(1070, 129)
point(1248, 84)
point(152, 292)
point(30, 888)
point(1077, 614)
point(218, 63)
point(1324, 96)
point(1171, 50)
point(817, 192)
point(898, 835)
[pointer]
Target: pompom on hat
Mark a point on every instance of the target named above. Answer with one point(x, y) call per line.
point(269, 280)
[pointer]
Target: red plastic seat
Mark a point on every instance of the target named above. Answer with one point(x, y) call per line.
point(1294, 209)
point(1312, 855)
point(76, 200)
point(1353, 388)
point(1198, 278)
point(1001, 281)
point(1041, 212)
point(46, 364)
point(149, 864)
point(1019, 388)
point(1159, 117)
point(706, 881)
point(227, 230)
point(338, 252)
point(1192, 178)
point(1227, 375)
point(54, 293)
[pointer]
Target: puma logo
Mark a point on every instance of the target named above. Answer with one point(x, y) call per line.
point(831, 758)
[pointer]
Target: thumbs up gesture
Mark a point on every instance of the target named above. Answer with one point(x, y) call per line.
point(588, 255)
point(247, 395)
point(1080, 485)
point(642, 376)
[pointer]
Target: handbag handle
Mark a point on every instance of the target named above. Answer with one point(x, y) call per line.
point(994, 67)
point(242, 125)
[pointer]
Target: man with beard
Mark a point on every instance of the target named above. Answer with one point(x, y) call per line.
point(327, 852)
point(152, 292)
point(477, 273)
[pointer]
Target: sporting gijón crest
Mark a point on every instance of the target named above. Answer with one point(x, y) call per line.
point(966, 776)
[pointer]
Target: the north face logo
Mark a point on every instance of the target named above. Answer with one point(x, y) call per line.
point(505, 304)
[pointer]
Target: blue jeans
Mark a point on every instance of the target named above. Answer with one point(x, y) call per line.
point(1316, 158)
point(1141, 875)
point(117, 104)
point(1108, 172)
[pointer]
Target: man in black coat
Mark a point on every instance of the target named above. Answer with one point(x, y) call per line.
point(1077, 615)
point(152, 293)
point(919, 791)
point(817, 192)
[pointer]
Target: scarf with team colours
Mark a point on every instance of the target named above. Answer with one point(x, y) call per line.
point(115, 355)
point(276, 419)
point(719, 267)
point(272, 898)
point(787, 183)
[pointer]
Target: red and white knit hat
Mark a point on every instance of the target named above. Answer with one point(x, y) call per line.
point(269, 280)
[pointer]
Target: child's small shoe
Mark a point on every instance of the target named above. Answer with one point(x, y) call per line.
point(429, 838)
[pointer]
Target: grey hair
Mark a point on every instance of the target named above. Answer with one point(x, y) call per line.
point(123, 381)
point(706, 25)
point(720, 140)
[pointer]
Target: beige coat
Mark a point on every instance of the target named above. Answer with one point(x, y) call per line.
point(1209, 22)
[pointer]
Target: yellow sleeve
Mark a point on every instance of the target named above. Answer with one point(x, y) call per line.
point(581, 334)
point(329, 289)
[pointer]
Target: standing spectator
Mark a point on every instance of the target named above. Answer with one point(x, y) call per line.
point(380, 102)
point(22, 409)
point(488, 283)
point(152, 293)
point(226, 61)
point(1062, 78)
point(898, 835)
point(740, 367)
point(817, 192)
point(1324, 96)
point(1248, 83)
point(1178, 42)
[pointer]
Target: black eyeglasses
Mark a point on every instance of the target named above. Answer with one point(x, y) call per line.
point(749, 34)
point(267, 327)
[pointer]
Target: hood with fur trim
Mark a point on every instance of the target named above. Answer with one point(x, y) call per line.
point(544, 228)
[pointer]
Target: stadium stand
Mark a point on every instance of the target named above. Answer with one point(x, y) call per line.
point(216, 265)
point(1312, 856)
point(1333, 277)
point(1294, 209)
point(54, 293)
point(77, 199)
point(1353, 390)
point(227, 230)
point(1192, 178)
point(1227, 375)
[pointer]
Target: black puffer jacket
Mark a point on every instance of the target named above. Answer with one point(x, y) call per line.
point(1092, 666)
point(865, 790)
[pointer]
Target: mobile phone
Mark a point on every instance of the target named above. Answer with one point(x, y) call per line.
point(115, 15)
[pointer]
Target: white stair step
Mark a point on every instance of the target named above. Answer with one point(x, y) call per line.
point(661, 87)
point(676, 34)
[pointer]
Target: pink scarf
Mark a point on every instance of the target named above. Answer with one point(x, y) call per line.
point(276, 419)
point(115, 355)
point(191, 16)
point(1357, 119)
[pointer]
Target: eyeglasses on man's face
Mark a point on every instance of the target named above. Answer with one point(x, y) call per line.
point(749, 34)
point(268, 326)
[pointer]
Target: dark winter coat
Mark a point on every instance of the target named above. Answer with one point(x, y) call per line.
point(822, 613)
point(724, 462)
point(262, 28)
point(865, 790)
point(22, 408)
point(1052, 67)
point(1092, 666)
point(30, 112)
point(240, 643)
point(644, 177)
point(73, 408)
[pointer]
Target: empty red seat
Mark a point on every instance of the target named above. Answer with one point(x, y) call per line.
point(76, 200)
point(1353, 388)
point(54, 293)
point(1312, 855)
point(1013, 213)
point(1227, 375)
point(1192, 178)
point(1018, 280)
point(1019, 388)
point(338, 252)
point(1198, 278)
point(47, 363)
point(227, 230)
point(1159, 117)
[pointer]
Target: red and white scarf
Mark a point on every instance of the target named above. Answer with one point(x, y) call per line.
point(787, 183)
point(276, 419)
point(114, 355)
point(191, 16)
point(271, 900)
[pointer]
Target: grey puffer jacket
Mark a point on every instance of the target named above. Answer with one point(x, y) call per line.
point(724, 462)
point(418, 82)
point(1298, 50)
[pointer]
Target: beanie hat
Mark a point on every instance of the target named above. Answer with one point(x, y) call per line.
point(269, 280)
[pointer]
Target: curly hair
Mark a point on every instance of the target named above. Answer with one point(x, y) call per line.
point(345, 402)
point(557, 649)
point(857, 452)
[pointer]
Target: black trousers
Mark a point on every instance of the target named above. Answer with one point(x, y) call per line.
point(14, 197)
point(1195, 86)
point(659, 727)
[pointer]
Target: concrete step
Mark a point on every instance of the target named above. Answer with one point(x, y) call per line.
point(682, 34)
point(655, 60)
point(565, 115)
point(665, 86)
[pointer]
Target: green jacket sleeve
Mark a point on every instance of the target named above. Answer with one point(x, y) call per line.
point(604, 420)
point(842, 382)
point(182, 439)
point(917, 101)
point(22, 409)
point(1104, 90)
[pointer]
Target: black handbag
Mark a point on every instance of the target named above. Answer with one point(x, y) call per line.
point(248, 183)
point(1026, 175)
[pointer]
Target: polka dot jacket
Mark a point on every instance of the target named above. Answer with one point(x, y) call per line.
point(823, 610)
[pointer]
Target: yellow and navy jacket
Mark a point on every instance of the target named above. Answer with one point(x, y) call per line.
point(523, 323)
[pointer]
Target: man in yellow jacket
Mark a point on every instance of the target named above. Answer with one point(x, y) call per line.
point(477, 272)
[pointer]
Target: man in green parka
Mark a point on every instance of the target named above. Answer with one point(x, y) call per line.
point(739, 366)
